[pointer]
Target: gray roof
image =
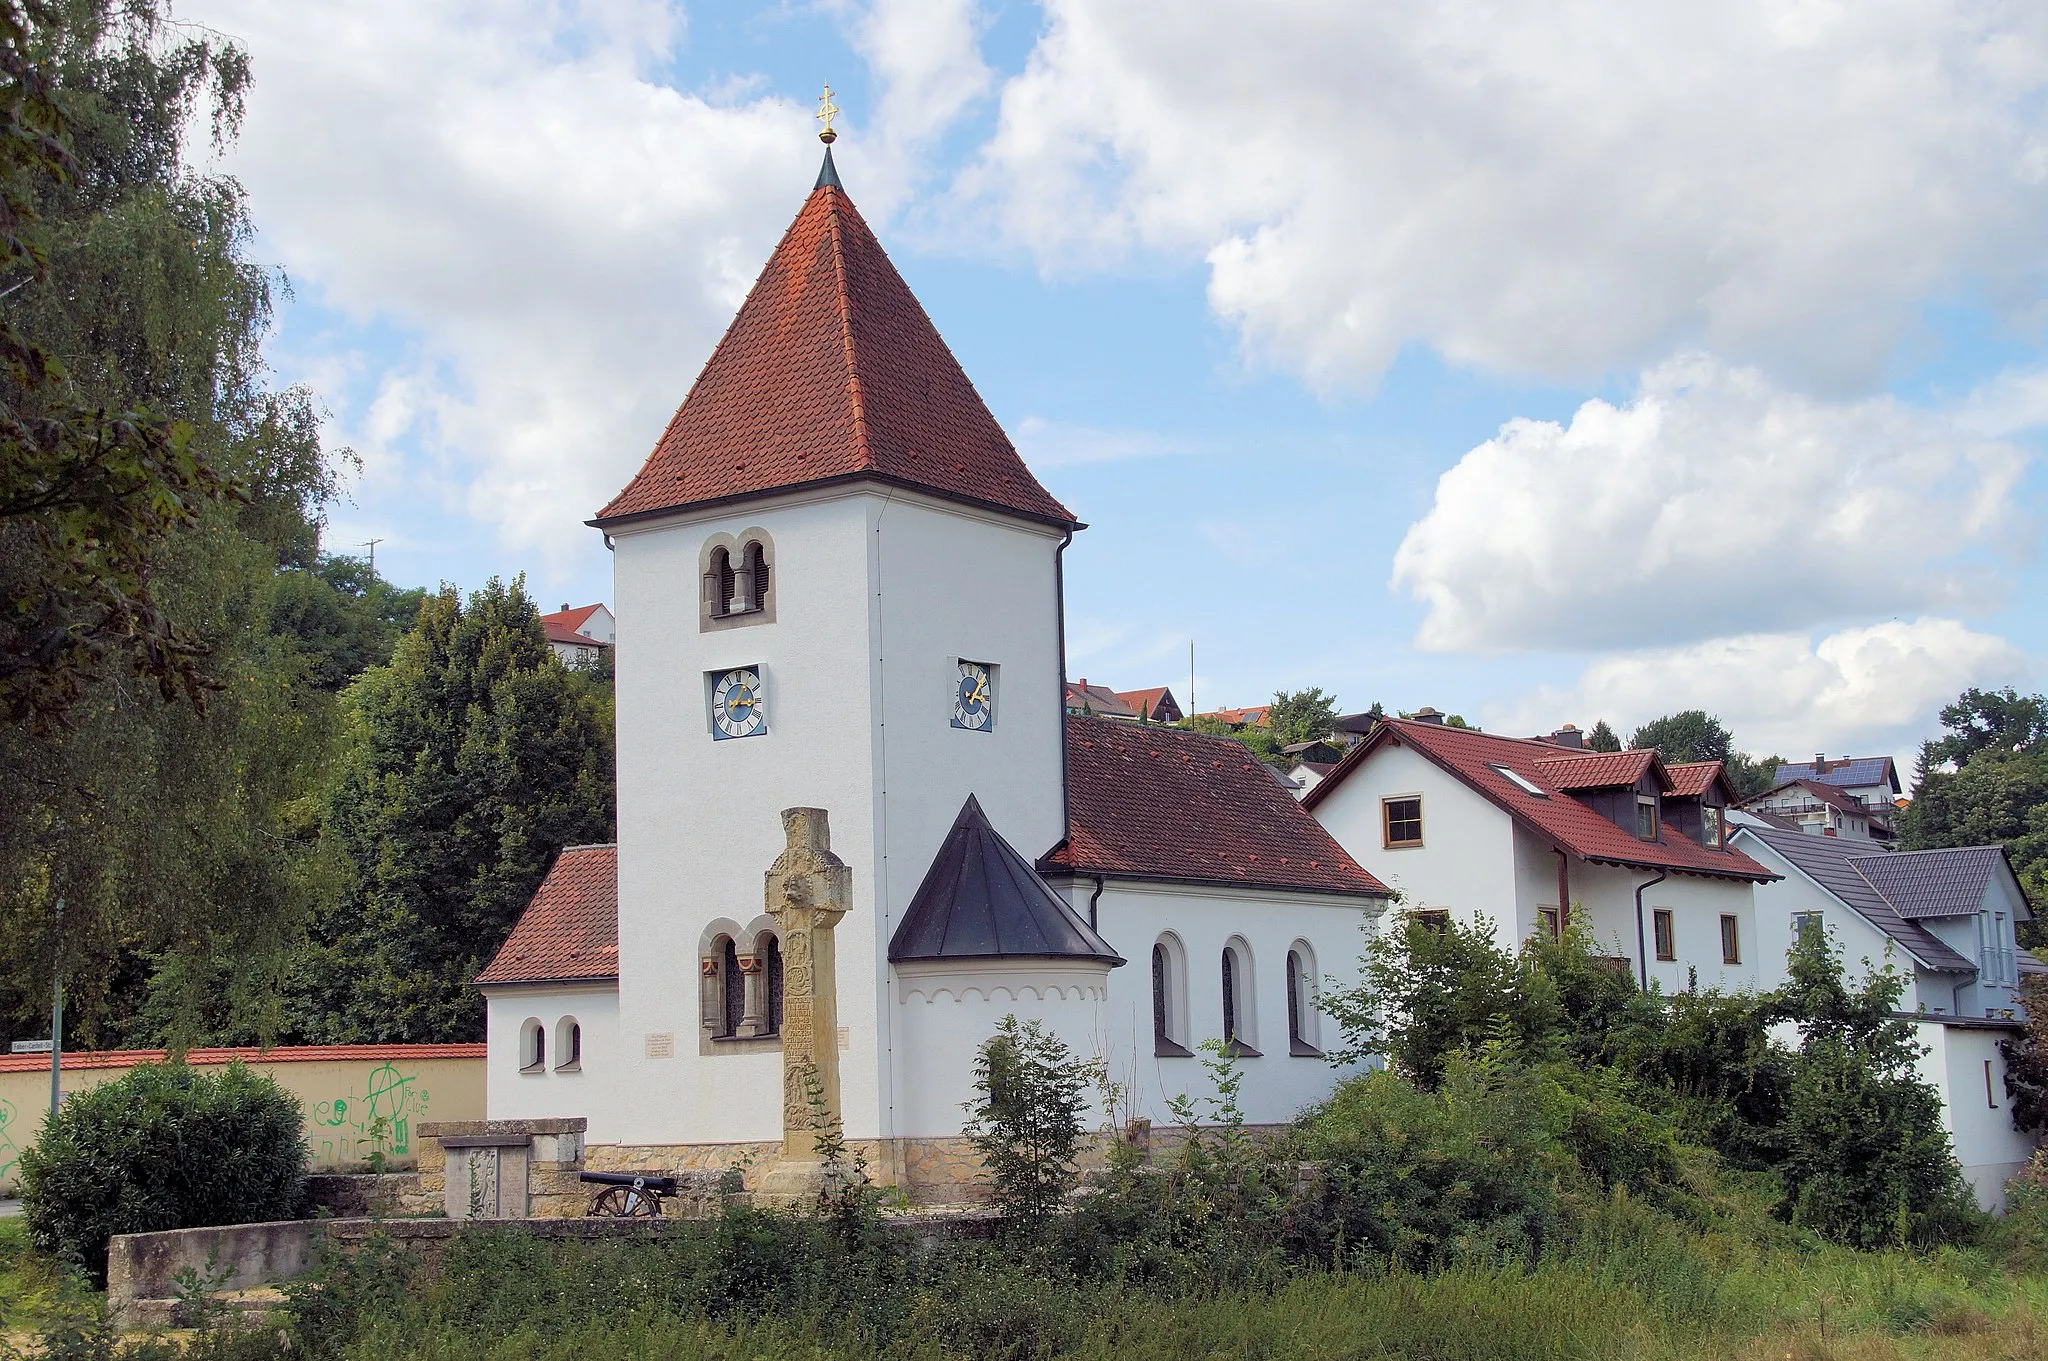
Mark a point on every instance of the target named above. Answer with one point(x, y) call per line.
point(1850, 772)
point(1831, 863)
point(982, 900)
point(1943, 883)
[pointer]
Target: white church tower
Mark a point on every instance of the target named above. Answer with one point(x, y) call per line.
point(838, 587)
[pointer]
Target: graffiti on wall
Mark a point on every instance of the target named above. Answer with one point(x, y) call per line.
point(344, 1130)
point(10, 1156)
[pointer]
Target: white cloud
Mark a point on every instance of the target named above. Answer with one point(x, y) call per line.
point(1556, 187)
point(1060, 444)
point(1712, 503)
point(1873, 690)
point(926, 55)
point(555, 236)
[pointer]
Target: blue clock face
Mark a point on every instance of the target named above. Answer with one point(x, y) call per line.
point(736, 706)
point(974, 698)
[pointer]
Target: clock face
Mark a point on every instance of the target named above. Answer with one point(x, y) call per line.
point(737, 709)
point(974, 698)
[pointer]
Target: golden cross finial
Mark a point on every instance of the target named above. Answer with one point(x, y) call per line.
point(827, 111)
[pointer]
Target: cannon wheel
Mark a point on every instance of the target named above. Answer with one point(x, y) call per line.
point(623, 1202)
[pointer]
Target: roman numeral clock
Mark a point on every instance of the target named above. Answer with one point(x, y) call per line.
point(737, 709)
point(974, 697)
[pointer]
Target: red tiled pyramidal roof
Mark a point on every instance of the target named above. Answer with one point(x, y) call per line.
point(832, 371)
point(1478, 759)
point(1690, 779)
point(570, 931)
point(1157, 803)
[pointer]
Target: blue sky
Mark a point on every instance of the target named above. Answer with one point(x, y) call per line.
point(1539, 362)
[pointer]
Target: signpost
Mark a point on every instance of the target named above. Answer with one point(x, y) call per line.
point(57, 1015)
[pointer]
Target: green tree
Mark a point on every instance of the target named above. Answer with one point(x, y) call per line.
point(1691, 735)
point(2000, 722)
point(475, 756)
point(1602, 738)
point(1301, 716)
point(1986, 782)
point(1026, 1119)
point(344, 618)
point(1863, 1154)
point(177, 838)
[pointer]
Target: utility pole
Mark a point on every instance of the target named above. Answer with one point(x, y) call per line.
point(372, 546)
point(57, 1015)
point(1191, 680)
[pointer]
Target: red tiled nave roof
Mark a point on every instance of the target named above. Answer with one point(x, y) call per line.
point(1158, 803)
point(830, 371)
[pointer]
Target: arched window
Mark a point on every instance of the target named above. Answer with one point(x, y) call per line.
point(733, 990)
point(1169, 999)
point(718, 583)
point(756, 560)
point(533, 1046)
point(568, 1045)
point(771, 951)
point(1302, 1028)
point(1240, 1015)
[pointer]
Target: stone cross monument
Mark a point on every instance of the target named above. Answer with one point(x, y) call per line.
point(808, 891)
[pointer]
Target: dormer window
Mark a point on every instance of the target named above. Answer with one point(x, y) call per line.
point(1646, 817)
point(736, 574)
point(1710, 826)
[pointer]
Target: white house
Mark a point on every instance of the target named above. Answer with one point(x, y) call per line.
point(1945, 919)
point(579, 636)
point(1872, 781)
point(1822, 809)
point(1526, 832)
point(840, 588)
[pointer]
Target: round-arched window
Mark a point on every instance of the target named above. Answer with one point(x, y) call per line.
point(568, 1045)
point(533, 1046)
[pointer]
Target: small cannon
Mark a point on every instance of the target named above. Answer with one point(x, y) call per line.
point(628, 1195)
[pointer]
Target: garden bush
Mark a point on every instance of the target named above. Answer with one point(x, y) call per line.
point(164, 1147)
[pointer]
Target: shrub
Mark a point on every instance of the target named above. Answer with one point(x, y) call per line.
point(1026, 1122)
point(164, 1147)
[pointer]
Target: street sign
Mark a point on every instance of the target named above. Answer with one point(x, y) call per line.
point(31, 1046)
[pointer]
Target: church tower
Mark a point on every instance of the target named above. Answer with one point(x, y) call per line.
point(837, 587)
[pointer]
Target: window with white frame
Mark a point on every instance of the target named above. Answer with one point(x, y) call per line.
point(1646, 817)
point(1169, 999)
point(568, 1045)
point(1240, 1012)
point(1303, 1032)
point(533, 1046)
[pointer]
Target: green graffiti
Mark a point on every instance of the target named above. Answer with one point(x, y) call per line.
point(10, 1156)
point(391, 1096)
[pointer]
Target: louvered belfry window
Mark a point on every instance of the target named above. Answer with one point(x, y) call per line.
point(757, 576)
point(720, 579)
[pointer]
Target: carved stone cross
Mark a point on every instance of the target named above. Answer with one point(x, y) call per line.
point(809, 889)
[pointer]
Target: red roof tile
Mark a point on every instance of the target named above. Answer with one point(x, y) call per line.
point(79, 1061)
point(1558, 817)
point(1145, 702)
point(1601, 769)
point(562, 633)
point(831, 370)
point(1834, 797)
point(572, 620)
point(1255, 716)
point(1690, 779)
point(1158, 803)
point(570, 931)
point(1098, 699)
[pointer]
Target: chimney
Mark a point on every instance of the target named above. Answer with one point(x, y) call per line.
point(1428, 715)
point(1569, 736)
point(565, 607)
point(1820, 763)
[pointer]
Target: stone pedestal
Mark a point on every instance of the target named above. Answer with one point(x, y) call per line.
point(808, 890)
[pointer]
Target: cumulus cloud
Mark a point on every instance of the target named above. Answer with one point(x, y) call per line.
point(554, 236)
point(1712, 503)
point(1541, 187)
point(926, 55)
point(1863, 689)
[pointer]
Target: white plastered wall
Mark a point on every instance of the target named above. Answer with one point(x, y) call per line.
point(1861, 946)
point(876, 598)
point(1964, 1064)
point(1466, 862)
point(1133, 914)
point(511, 1094)
point(947, 1009)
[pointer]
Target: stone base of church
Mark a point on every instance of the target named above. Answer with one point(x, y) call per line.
point(941, 1170)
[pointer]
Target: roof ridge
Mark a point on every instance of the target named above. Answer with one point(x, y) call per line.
point(855, 395)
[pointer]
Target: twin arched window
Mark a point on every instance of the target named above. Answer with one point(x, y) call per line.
point(742, 986)
point(738, 580)
point(533, 1045)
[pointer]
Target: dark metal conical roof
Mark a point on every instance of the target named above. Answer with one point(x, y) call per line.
point(982, 900)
